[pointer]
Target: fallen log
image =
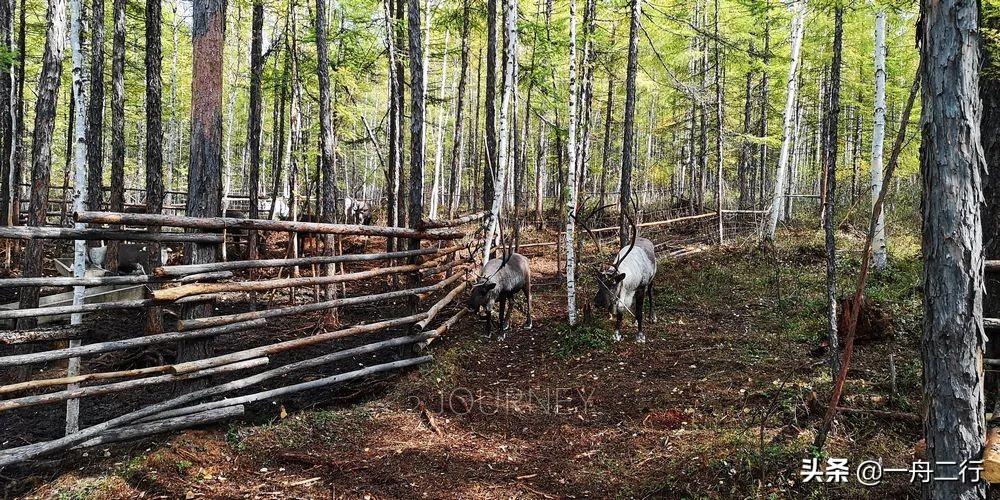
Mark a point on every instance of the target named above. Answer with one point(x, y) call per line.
point(196, 323)
point(109, 280)
point(172, 294)
point(27, 452)
point(116, 345)
point(44, 334)
point(97, 390)
point(303, 386)
point(436, 308)
point(229, 223)
point(62, 233)
point(268, 350)
point(184, 270)
point(164, 425)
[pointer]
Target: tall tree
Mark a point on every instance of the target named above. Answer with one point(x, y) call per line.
point(95, 112)
point(255, 118)
point(720, 121)
point(457, 139)
point(154, 142)
point(879, 256)
point(491, 167)
point(204, 172)
point(395, 129)
point(798, 26)
point(17, 154)
point(950, 164)
point(328, 196)
point(416, 117)
point(506, 126)
point(628, 145)
point(41, 145)
point(6, 117)
point(830, 201)
point(571, 147)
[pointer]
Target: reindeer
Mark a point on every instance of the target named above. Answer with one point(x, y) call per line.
point(624, 285)
point(502, 278)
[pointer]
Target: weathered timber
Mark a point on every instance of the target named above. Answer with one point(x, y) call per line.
point(991, 456)
point(71, 309)
point(115, 345)
point(53, 334)
point(197, 323)
point(437, 332)
point(27, 452)
point(97, 390)
point(184, 270)
point(172, 294)
point(267, 350)
point(165, 425)
point(109, 280)
point(61, 233)
point(302, 386)
point(436, 308)
point(436, 224)
point(220, 223)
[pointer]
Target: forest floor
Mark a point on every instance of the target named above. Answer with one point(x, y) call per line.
point(718, 404)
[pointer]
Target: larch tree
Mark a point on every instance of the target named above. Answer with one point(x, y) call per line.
point(829, 223)
point(952, 247)
point(95, 111)
point(329, 192)
point(491, 166)
point(416, 117)
point(788, 127)
point(154, 143)
point(6, 109)
point(879, 254)
point(204, 171)
point(255, 119)
point(506, 127)
point(116, 200)
point(628, 144)
point(457, 138)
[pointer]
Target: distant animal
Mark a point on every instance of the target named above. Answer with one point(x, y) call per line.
point(501, 278)
point(132, 257)
point(357, 211)
point(623, 286)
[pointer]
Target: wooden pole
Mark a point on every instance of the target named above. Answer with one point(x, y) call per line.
point(61, 233)
point(436, 308)
point(110, 280)
point(165, 425)
point(254, 264)
point(465, 219)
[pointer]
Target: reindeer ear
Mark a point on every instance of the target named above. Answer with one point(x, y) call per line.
point(490, 286)
point(619, 277)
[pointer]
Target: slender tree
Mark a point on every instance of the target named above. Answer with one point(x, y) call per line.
point(491, 166)
point(154, 142)
point(453, 186)
point(879, 257)
point(416, 117)
point(506, 126)
point(628, 145)
point(571, 149)
point(117, 198)
point(95, 112)
point(255, 118)
point(6, 110)
point(830, 205)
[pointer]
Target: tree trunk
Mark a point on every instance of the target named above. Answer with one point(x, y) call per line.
point(628, 145)
point(436, 187)
point(41, 146)
point(6, 111)
point(416, 118)
point(278, 152)
point(571, 153)
point(746, 173)
point(798, 26)
point(117, 198)
point(154, 144)
point(329, 188)
point(255, 118)
point(393, 176)
point(879, 255)
point(457, 139)
point(95, 113)
point(953, 336)
point(491, 167)
point(762, 129)
point(720, 121)
point(506, 127)
point(829, 224)
point(606, 150)
point(204, 173)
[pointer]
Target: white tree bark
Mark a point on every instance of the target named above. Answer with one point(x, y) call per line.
point(879, 257)
point(499, 181)
point(79, 192)
point(798, 27)
point(436, 184)
point(574, 163)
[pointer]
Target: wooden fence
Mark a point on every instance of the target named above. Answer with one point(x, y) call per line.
point(436, 267)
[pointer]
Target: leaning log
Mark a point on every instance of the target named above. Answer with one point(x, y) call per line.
point(172, 294)
point(78, 308)
point(303, 386)
point(27, 452)
point(436, 308)
point(109, 280)
point(229, 223)
point(437, 332)
point(165, 425)
point(189, 269)
point(62, 233)
point(116, 345)
point(196, 323)
point(127, 385)
point(51, 382)
point(465, 219)
point(267, 350)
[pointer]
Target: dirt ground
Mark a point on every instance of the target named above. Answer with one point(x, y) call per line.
point(718, 404)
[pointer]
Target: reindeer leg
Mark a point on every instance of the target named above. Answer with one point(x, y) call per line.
point(652, 310)
point(640, 338)
point(489, 322)
point(618, 327)
point(527, 293)
point(503, 313)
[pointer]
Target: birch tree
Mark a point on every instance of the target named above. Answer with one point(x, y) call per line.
point(879, 257)
point(798, 26)
point(439, 132)
point(503, 150)
point(574, 163)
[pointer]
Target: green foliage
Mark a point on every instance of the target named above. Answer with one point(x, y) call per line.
point(584, 337)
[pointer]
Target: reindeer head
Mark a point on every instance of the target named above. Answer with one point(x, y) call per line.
point(607, 289)
point(482, 295)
